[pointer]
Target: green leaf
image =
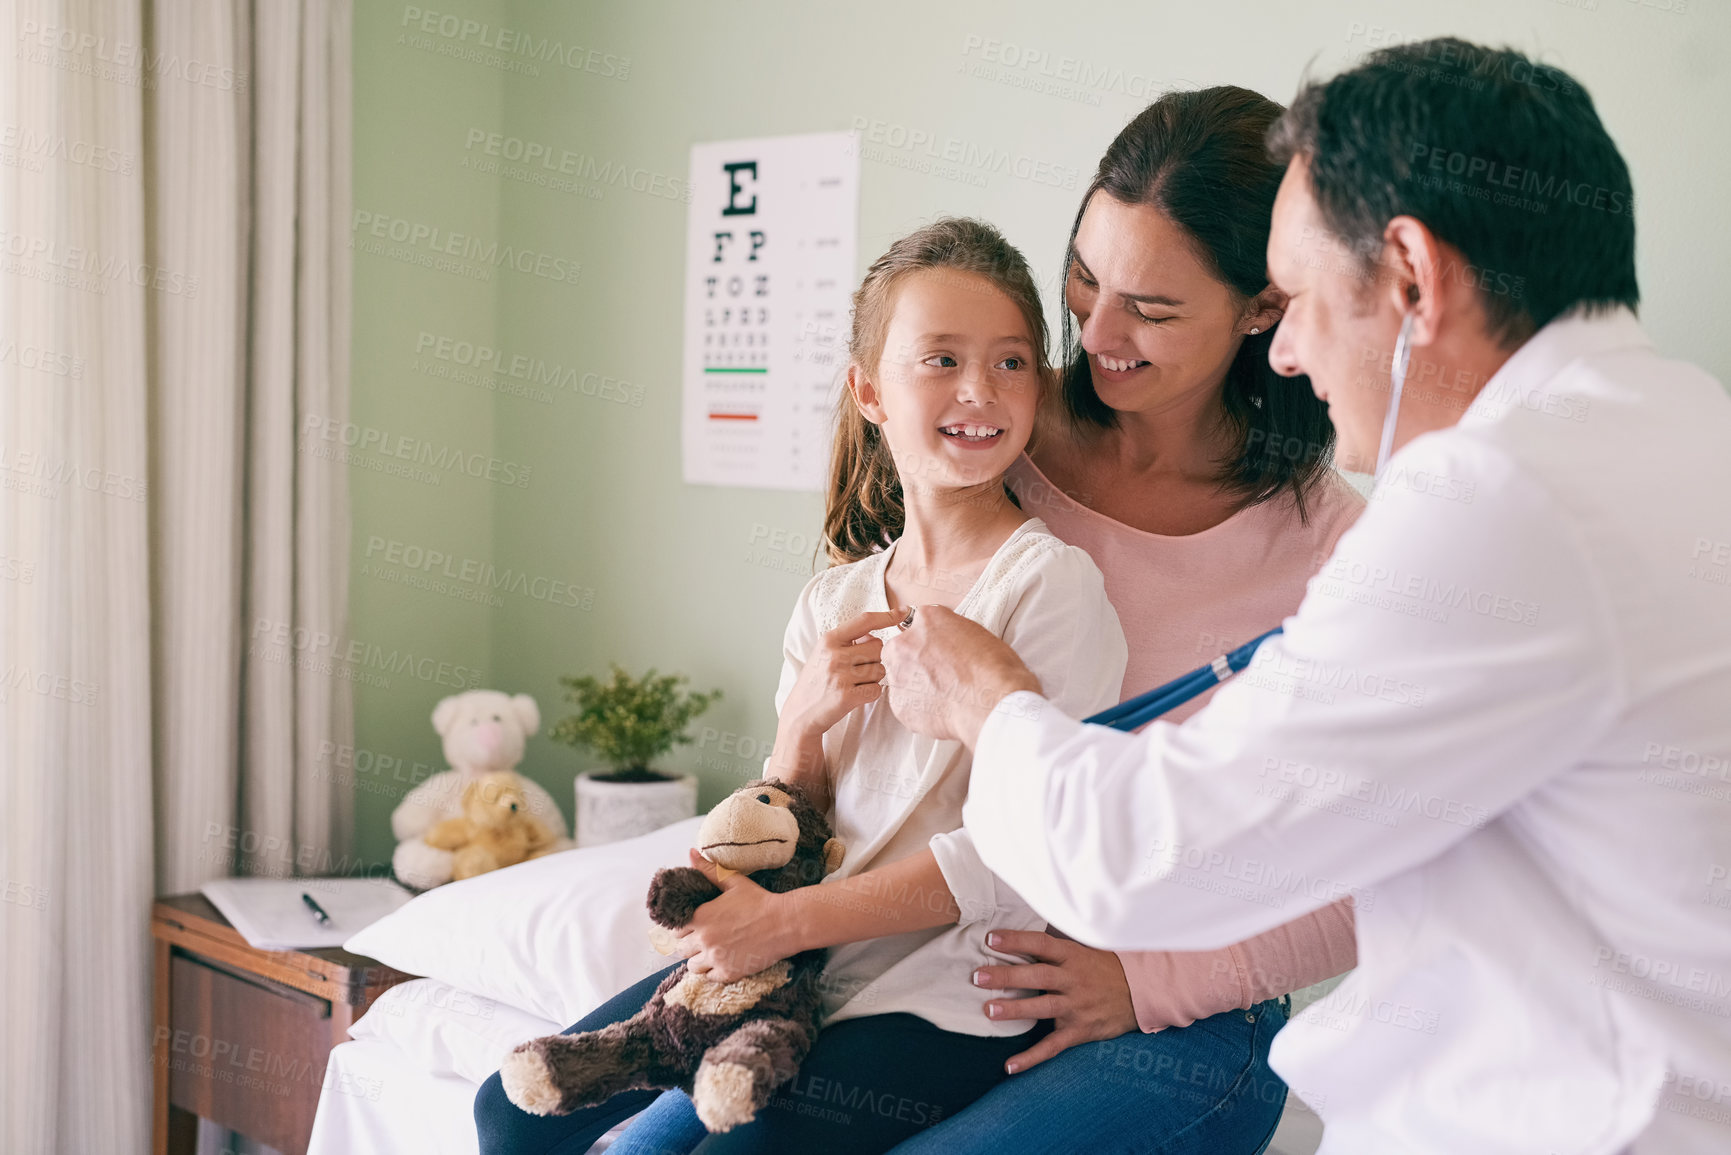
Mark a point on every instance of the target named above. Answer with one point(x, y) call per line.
point(629, 722)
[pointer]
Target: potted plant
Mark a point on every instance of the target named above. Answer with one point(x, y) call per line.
point(629, 722)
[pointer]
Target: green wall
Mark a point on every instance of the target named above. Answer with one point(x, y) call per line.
point(405, 168)
point(685, 578)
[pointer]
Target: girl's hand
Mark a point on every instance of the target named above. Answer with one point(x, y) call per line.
point(1085, 992)
point(841, 674)
point(737, 933)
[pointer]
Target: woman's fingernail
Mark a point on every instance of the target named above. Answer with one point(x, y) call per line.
point(994, 1010)
point(981, 978)
point(992, 939)
point(1011, 1068)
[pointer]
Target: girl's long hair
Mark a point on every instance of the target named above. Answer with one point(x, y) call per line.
point(1200, 158)
point(863, 509)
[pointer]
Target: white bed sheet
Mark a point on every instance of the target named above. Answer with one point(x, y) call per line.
point(378, 1101)
point(449, 1031)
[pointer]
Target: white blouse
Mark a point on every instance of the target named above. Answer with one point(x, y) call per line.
point(897, 793)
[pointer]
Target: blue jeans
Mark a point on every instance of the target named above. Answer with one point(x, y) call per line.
point(867, 1084)
point(1205, 1089)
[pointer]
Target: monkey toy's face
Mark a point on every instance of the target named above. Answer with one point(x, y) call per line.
point(766, 825)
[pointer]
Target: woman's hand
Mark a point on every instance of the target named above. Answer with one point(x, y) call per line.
point(737, 933)
point(1085, 992)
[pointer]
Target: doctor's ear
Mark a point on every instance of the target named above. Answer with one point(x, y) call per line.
point(1413, 277)
point(864, 392)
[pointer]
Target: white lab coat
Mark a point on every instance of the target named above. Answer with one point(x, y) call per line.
point(1501, 720)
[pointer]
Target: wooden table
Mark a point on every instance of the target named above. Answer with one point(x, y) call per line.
point(241, 1035)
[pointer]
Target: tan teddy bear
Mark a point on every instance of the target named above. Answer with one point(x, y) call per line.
point(495, 830)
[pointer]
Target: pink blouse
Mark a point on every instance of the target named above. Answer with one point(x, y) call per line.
point(1182, 601)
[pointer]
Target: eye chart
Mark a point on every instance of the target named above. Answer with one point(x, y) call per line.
point(769, 271)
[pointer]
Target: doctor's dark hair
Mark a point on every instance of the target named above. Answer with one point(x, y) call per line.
point(863, 508)
point(1499, 156)
point(1201, 159)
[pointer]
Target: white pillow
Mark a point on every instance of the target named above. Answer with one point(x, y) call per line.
point(555, 936)
point(451, 1031)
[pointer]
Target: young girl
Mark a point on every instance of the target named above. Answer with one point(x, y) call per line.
point(947, 368)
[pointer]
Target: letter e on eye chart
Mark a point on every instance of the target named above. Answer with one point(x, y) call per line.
point(769, 265)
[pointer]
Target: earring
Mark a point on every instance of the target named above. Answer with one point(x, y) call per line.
point(1253, 332)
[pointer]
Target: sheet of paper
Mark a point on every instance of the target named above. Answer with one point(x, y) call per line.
point(769, 270)
point(270, 914)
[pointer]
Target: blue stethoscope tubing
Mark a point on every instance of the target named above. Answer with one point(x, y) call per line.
point(1144, 708)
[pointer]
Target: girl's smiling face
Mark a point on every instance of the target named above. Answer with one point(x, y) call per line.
point(958, 383)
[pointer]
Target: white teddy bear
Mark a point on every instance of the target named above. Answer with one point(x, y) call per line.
point(483, 731)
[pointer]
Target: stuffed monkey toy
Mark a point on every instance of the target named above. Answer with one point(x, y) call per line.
point(728, 1045)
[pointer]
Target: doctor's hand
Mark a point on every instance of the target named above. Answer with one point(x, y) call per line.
point(737, 933)
point(945, 673)
point(1085, 992)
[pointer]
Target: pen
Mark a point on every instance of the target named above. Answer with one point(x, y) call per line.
point(318, 911)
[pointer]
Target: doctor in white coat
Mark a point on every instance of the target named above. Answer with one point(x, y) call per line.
point(1501, 719)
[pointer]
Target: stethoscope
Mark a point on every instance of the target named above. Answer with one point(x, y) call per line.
point(1396, 379)
point(1144, 708)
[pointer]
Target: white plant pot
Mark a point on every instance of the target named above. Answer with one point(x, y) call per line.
point(609, 811)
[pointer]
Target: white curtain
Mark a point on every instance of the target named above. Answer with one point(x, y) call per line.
point(174, 306)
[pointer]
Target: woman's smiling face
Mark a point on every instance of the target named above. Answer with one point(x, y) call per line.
point(1158, 327)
